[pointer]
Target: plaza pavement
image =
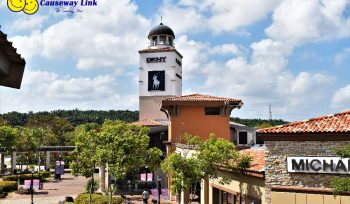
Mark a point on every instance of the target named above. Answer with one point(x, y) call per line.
point(52, 192)
point(55, 191)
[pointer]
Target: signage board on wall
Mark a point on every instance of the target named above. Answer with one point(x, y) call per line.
point(326, 165)
point(155, 59)
point(156, 81)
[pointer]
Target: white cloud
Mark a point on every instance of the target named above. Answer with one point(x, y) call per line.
point(181, 19)
point(216, 15)
point(341, 99)
point(227, 49)
point(42, 90)
point(229, 15)
point(342, 56)
point(102, 36)
point(28, 22)
point(195, 55)
point(297, 22)
point(265, 79)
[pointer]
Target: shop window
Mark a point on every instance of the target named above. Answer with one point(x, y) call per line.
point(243, 138)
point(227, 198)
point(259, 140)
point(212, 111)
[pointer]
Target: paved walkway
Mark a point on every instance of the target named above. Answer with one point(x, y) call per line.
point(55, 191)
point(52, 191)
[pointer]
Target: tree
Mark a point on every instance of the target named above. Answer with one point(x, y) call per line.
point(28, 142)
point(3, 122)
point(58, 128)
point(8, 137)
point(339, 184)
point(123, 147)
point(201, 160)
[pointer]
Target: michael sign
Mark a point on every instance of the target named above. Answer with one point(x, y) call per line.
point(328, 165)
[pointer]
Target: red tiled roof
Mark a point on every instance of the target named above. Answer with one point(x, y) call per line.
point(201, 98)
point(258, 156)
point(148, 123)
point(337, 123)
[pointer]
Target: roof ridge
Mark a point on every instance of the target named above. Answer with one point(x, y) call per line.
point(317, 124)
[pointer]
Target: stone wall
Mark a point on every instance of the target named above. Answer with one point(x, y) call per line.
point(276, 163)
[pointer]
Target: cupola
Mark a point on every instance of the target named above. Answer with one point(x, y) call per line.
point(161, 36)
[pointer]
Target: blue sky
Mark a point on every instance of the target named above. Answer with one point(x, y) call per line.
point(293, 55)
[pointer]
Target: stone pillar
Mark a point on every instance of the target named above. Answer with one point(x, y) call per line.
point(102, 174)
point(2, 165)
point(47, 160)
point(13, 161)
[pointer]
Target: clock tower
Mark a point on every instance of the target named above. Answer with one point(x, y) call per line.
point(160, 74)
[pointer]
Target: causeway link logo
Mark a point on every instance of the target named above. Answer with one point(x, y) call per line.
point(27, 6)
point(68, 6)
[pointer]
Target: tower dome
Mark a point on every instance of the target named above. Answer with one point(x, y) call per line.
point(161, 36)
point(161, 29)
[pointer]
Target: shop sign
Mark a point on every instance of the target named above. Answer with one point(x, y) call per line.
point(155, 59)
point(326, 165)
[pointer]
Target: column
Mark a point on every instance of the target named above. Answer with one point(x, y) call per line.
point(102, 174)
point(47, 160)
point(2, 165)
point(13, 161)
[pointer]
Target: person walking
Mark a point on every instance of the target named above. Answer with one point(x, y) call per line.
point(145, 196)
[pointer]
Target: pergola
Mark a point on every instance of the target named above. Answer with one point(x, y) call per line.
point(47, 149)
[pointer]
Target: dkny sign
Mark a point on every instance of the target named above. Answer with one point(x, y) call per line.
point(155, 59)
point(326, 165)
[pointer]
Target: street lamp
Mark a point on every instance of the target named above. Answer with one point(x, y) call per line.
point(31, 188)
point(159, 179)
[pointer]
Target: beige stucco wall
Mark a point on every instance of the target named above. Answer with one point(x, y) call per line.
point(303, 198)
point(150, 107)
point(276, 153)
point(246, 185)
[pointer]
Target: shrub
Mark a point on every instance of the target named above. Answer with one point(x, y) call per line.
point(22, 177)
point(8, 186)
point(95, 199)
point(45, 174)
point(95, 187)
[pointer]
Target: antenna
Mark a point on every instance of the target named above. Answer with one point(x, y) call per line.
point(270, 112)
point(161, 18)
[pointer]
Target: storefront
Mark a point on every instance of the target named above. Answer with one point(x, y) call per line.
point(300, 160)
point(247, 188)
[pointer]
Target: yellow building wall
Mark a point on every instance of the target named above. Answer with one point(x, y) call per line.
point(304, 198)
point(245, 185)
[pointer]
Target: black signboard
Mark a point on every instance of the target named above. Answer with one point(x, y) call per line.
point(156, 81)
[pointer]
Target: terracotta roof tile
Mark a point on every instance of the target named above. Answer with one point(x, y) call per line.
point(148, 123)
point(201, 97)
point(258, 163)
point(337, 123)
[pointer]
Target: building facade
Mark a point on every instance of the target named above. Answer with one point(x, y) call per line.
point(199, 114)
point(300, 160)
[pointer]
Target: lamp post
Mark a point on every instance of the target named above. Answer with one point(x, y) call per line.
point(146, 170)
point(31, 188)
point(159, 179)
